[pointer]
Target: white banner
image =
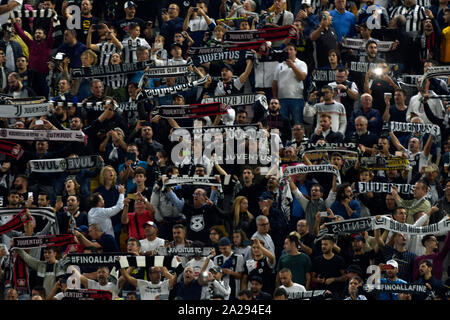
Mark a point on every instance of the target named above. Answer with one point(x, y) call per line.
point(52, 135)
point(380, 187)
point(413, 127)
point(24, 110)
point(293, 170)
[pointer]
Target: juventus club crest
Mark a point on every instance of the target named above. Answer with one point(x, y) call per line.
point(197, 223)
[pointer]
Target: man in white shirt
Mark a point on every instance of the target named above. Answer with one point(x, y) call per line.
point(291, 288)
point(262, 233)
point(155, 289)
point(102, 216)
point(288, 86)
point(416, 108)
point(102, 282)
point(151, 241)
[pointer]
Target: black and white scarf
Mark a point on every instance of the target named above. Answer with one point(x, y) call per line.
point(360, 44)
point(190, 110)
point(162, 92)
point(294, 170)
point(65, 164)
point(18, 110)
point(394, 126)
point(52, 135)
point(380, 187)
point(102, 71)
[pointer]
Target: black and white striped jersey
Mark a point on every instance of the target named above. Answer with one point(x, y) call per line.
point(130, 46)
point(414, 17)
point(117, 81)
point(107, 49)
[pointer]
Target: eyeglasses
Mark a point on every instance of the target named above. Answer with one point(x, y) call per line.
point(263, 224)
point(197, 194)
point(213, 233)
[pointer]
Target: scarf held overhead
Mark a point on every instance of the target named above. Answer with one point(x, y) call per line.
point(24, 110)
point(394, 126)
point(360, 44)
point(53, 135)
point(324, 147)
point(16, 221)
point(87, 294)
point(162, 92)
point(109, 70)
point(43, 241)
point(267, 34)
point(380, 187)
point(191, 110)
point(67, 164)
point(210, 54)
point(372, 223)
point(293, 170)
point(11, 149)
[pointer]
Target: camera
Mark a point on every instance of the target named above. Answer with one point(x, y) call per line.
point(131, 156)
point(195, 9)
point(323, 16)
point(377, 72)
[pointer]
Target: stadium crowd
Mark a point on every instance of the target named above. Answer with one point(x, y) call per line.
point(341, 86)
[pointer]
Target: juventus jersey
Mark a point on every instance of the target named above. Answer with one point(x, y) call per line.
point(130, 46)
point(226, 88)
point(107, 49)
point(235, 262)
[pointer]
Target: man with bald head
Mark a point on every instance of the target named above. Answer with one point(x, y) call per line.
point(201, 214)
point(372, 115)
point(362, 137)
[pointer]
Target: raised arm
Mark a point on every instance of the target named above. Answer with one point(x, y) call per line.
point(427, 147)
point(248, 69)
point(131, 280)
point(89, 43)
point(396, 142)
point(124, 219)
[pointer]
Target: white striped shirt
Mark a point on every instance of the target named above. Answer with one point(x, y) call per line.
point(107, 49)
point(130, 46)
point(413, 15)
point(116, 81)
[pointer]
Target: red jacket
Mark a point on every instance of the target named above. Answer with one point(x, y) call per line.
point(39, 52)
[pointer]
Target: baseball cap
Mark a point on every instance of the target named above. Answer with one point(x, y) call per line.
point(150, 223)
point(392, 263)
point(224, 242)
point(226, 65)
point(176, 45)
point(256, 278)
point(83, 228)
point(359, 238)
point(355, 269)
point(129, 4)
point(215, 269)
point(265, 195)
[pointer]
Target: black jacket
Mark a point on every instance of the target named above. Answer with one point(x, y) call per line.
point(332, 137)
